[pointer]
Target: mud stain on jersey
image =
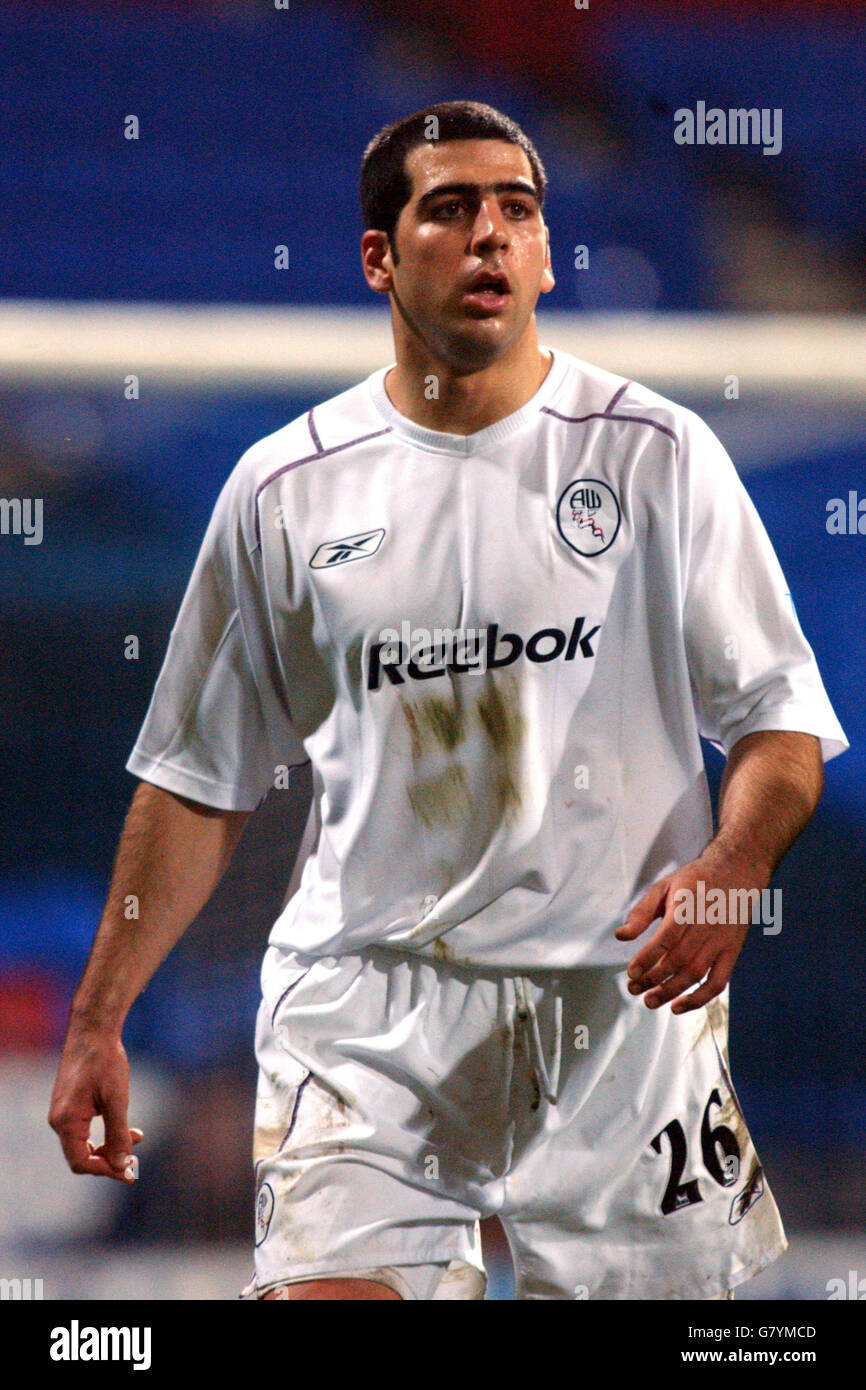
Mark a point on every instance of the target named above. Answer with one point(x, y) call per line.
point(505, 726)
point(445, 721)
point(448, 956)
point(439, 724)
point(434, 722)
point(410, 714)
point(442, 800)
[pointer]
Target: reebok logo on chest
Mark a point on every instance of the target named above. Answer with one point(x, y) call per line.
point(491, 650)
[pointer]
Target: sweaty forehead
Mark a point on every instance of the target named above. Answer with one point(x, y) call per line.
point(465, 161)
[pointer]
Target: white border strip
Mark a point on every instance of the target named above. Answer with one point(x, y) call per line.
point(222, 345)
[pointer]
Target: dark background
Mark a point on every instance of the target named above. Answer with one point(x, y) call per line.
point(253, 122)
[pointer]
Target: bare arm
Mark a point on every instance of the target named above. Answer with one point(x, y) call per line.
point(170, 858)
point(772, 783)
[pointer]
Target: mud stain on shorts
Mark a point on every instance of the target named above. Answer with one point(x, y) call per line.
point(266, 1141)
point(752, 1190)
point(717, 1017)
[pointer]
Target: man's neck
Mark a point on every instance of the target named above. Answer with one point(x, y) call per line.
point(429, 394)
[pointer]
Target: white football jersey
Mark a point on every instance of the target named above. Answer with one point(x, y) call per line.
point(497, 651)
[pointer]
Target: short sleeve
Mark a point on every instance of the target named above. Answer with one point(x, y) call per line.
point(750, 665)
point(218, 725)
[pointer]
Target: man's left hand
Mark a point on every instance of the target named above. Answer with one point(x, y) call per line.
point(684, 950)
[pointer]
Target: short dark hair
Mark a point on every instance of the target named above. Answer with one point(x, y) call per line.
point(385, 185)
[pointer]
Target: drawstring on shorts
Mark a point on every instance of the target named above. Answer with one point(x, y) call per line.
point(548, 1081)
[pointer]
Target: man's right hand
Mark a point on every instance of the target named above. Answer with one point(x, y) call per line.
point(93, 1079)
point(171, 856)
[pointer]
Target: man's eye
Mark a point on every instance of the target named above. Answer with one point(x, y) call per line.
point(520, 209)
point(449, 209)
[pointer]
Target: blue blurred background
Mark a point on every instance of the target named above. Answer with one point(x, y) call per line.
point(252, 122)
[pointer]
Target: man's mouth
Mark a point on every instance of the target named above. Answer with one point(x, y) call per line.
point(488, 291)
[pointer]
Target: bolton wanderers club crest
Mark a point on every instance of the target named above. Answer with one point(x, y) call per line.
point(588, 516)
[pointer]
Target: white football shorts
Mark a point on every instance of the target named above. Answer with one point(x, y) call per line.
point(401, 1099)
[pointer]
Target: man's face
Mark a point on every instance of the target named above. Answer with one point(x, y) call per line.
point(472, 247)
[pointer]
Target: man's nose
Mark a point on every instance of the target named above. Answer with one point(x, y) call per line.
point(490, 227)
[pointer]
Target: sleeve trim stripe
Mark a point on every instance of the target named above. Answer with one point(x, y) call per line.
point(607, 414)
point(314, 433)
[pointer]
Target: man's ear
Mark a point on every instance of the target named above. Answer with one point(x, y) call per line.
point(547, 280)
point(376, 261)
